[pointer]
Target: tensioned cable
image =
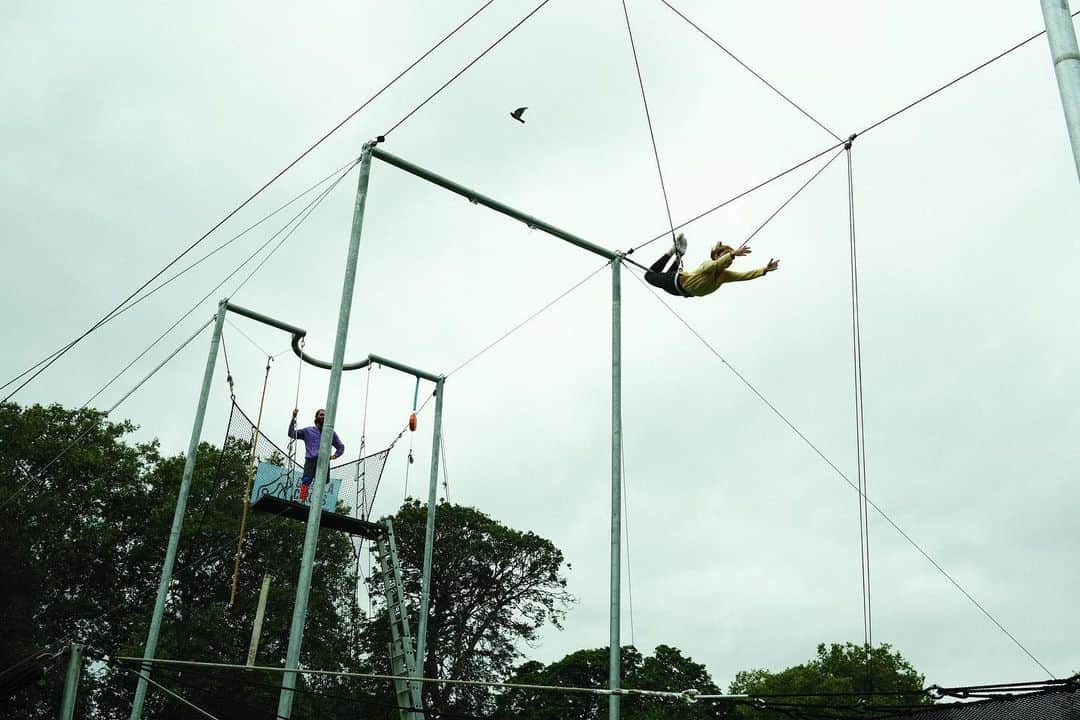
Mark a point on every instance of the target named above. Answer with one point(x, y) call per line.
point(673, 695)
point(741, 195)
point(463, 70)
point(190, 267)
point(179, 697)
point(251, 197)
point(750, 70)
point(108, 412)
point(247, 337)
point(285, 232)
point(787, 202)
point(838, 471)
point(873, 126)
point(648, 119)
point(860, 423)
point(309, 209)
point(521, 324)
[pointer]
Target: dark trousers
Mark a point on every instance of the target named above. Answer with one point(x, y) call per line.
point(310, 465)
point(666, 280)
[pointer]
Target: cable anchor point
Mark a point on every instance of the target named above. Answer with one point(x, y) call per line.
point(850, 140)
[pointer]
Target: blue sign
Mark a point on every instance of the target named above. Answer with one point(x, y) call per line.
point(284, 484)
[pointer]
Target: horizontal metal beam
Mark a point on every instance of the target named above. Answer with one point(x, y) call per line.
point(266, 320)
point(475, 197)
point(401, 367)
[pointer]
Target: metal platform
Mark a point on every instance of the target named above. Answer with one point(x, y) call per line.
point(334, 521)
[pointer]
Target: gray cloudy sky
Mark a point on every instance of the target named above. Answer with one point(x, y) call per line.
point(130, 128)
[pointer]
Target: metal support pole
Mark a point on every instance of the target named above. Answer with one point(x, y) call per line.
point(256, 630)
point(1063, 49)
point(311, 537)
point(71, 682)
point(178, 515)
point(429, 532)
point(614, 668)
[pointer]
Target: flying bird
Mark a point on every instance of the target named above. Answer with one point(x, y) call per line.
point(518, 113)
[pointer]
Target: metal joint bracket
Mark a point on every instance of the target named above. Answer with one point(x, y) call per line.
point(849, 141)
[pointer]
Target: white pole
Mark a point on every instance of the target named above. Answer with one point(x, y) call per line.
point(1066, 56)
point(256, 631)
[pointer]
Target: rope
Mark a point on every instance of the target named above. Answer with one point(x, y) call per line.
point(462, 71)
point(648, 119)
point(291, 448)
point(108, 316)
point(247, 488)
point(161, 687)
point(860, 425)
point(247, 337)
point(749, 69)
point(844, 477)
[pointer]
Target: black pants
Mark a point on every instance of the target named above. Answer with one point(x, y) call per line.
point(666, 280)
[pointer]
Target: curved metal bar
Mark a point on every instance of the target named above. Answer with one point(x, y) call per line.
point(322, 363)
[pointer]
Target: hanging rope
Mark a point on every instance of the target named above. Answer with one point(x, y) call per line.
point(247, 487)
point(860, 421)
point(648, 120)
point(291, 447)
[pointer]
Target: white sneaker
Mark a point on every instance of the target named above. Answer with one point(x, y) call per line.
point(680, 245)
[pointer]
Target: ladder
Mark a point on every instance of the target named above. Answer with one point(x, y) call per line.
point(402, 653)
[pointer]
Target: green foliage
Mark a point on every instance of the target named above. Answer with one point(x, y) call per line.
point(842, 669)
point(83, 543)
point(667, 669)
point(492, 589)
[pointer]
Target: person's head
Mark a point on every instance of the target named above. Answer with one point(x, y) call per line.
point(320, 415)
point(719, 249)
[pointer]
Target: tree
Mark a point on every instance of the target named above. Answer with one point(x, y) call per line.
point(854, 672)
point(667, 669)
point(492, 589)
point(82, 543)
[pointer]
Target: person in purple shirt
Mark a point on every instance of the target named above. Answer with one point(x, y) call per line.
point(312, 436)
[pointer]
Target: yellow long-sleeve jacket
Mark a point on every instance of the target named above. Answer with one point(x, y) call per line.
point(711, 274)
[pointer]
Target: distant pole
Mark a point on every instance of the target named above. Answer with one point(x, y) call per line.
point(256, 630)
point(71, 682)
point(614, 663)
point(311, 537)
point(1066, 56)
point(429, 532)
point(178, 515)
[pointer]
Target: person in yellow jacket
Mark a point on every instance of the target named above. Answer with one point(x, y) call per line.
point(707, 277)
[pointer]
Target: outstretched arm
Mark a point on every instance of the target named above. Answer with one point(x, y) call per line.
point(736, 276)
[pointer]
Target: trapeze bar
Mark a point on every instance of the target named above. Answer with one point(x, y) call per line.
point(475, 197)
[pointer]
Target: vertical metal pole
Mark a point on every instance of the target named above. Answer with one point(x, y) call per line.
point(178, 515)
point(429, 535)
point(71, 682)
point(1063, 49)
point(614, 669)
point(256, 631)
point(311, 537)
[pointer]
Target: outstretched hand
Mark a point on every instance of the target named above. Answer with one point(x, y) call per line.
point(742, 250)
point(294, 413)
point(773, 265)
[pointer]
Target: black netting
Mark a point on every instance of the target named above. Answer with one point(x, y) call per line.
point(1053, 705)
point(356, 481)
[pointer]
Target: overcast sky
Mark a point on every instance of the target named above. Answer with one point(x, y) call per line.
point(130, 128)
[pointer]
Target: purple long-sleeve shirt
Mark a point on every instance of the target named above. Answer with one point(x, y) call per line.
point(312, 436)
